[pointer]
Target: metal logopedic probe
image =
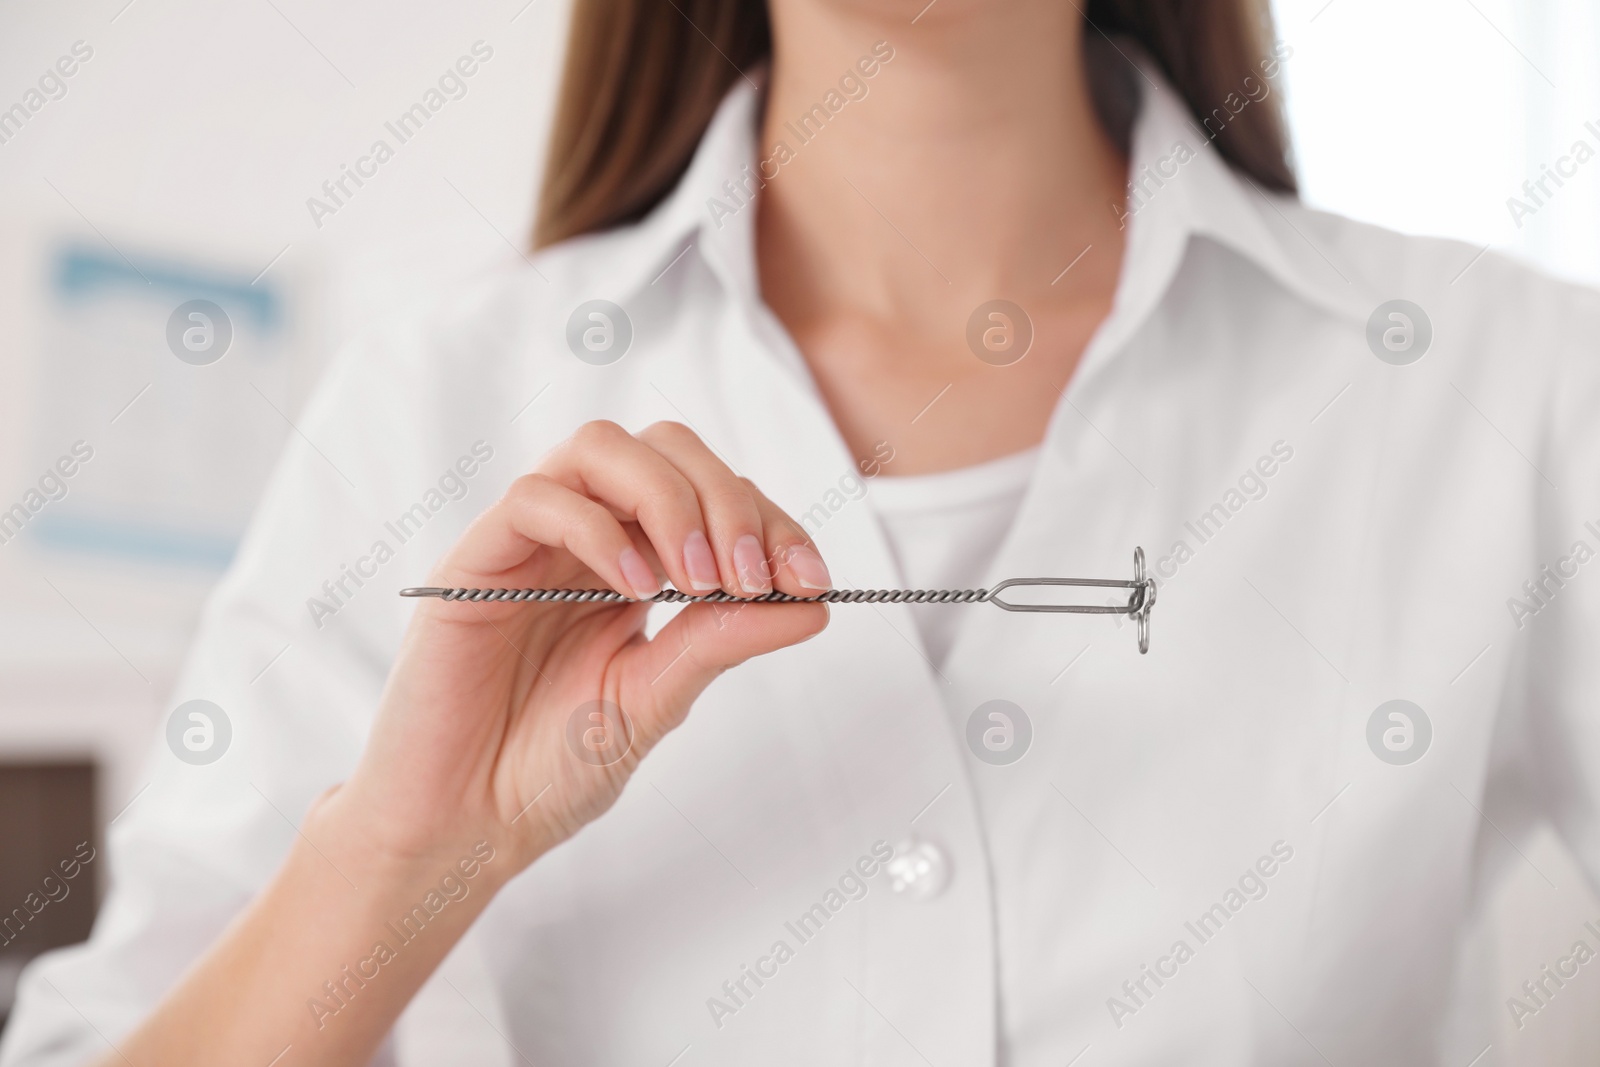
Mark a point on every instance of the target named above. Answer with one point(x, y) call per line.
point(1141, 596)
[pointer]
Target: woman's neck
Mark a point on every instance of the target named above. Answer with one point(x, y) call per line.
point(971, 166)
point(968, 167)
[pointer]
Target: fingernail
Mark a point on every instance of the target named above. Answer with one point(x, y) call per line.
point(809, 568)
point(700, 563)
point(751, 564)
point(638, 574)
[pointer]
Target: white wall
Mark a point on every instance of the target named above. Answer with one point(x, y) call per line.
point(194, 135)
point(1427, 115)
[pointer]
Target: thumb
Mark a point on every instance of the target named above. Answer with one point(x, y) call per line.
point(667, 673)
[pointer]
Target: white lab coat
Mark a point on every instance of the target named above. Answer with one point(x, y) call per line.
point(1405, 507)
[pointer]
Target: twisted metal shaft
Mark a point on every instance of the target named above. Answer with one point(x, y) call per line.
point(674, 596)
point(1141, 596)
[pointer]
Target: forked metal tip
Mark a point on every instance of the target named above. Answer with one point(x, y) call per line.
point(1145, 599)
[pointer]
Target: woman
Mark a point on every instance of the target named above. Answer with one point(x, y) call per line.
point(857, 294)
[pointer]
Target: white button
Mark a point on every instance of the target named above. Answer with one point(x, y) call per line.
point(919, 869)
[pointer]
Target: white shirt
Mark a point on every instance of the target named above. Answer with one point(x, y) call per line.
point(943, 529)
point(1331, 531)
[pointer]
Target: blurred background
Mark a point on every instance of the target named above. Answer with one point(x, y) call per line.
point(177, 161)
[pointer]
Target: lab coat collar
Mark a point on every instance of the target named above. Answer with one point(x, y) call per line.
point(1180, 188)
point(1203, 196)
point(713, 206)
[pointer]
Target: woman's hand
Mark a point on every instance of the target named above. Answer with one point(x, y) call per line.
point(499, 735)
point(520, 722)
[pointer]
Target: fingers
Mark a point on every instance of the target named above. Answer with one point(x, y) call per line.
point(537, 511)
point(705, 526)
point(796, 563)
point(729, 509)
point(635, 482)
point(755, 544)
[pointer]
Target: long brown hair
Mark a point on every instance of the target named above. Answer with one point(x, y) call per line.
point(643, 78)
